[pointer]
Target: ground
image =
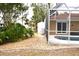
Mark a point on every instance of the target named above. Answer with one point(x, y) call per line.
point(37, 46)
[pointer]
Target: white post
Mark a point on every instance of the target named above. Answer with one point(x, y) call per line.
point(69, 25)
point(48, 22)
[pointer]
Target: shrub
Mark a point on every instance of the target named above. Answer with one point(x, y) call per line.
point(14, 33)
point(0, 41)
point(29, 32)
point(2, 29)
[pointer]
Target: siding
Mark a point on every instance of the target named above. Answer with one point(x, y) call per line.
point(52, 27)
point(75, 26)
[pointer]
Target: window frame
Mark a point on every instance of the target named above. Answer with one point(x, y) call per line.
point(61, 32)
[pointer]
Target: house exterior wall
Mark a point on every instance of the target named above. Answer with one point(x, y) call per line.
point(74, 26)
point(52, 27)
point(52, 33)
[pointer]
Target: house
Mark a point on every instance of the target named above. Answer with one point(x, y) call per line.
point(63, 24)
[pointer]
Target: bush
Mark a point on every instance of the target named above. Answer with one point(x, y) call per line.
point(2, 29)
point(14, 33)
point(29, 32)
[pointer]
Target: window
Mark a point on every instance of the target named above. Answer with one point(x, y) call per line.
point(61, 27)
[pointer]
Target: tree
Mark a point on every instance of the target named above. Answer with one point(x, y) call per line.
point(39, 13)
point(10, 10)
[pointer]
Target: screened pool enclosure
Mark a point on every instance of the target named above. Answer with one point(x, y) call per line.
point(63, 22)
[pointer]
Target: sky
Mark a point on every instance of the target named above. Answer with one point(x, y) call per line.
point(68, 2)
point(30, 11)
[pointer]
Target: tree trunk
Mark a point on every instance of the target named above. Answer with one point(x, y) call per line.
point(7, 19)
point(36, 27)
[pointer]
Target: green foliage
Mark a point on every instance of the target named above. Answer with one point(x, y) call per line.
point(14, 33)
point(29, 32)
point(0, 41)
point(10, 7)
point(2, 29)
point(11, 10)
point(39, 14)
